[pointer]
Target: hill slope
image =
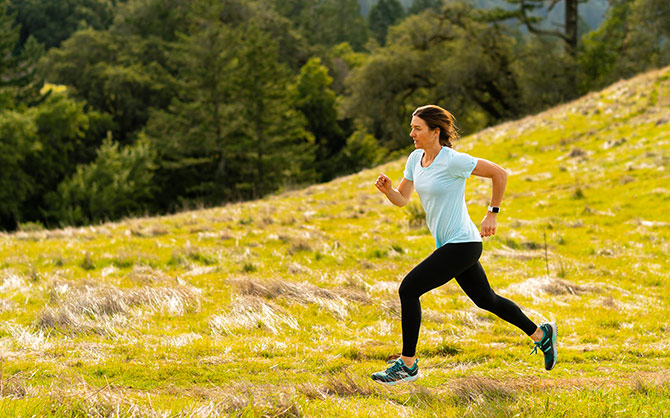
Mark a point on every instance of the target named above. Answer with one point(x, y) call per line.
point(284, 306)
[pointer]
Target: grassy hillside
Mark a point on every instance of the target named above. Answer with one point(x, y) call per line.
point(286, 305)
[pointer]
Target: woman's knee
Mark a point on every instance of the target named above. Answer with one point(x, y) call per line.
point(486, 302)
point(407, 290)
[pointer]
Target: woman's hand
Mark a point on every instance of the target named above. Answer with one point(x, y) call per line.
point(489, 224)
point(398, 197)
point(383, 183)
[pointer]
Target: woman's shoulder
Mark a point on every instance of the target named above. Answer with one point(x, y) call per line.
point(453, 153)
point(417, 153)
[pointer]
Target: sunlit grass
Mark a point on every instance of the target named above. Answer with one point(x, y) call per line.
point(285, 305)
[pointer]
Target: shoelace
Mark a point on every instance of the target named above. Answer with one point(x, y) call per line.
point(538, 344)
point(394, 369)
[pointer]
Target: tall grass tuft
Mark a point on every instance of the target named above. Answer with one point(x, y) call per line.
point(343, 384)
point(480, 390)
point(101, 308)
point(249, 312)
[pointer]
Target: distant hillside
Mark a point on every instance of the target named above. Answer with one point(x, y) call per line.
point(592, 12)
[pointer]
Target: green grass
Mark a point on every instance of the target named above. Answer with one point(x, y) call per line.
point(284, 306)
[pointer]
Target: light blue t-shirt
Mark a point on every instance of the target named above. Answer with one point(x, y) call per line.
point(441, 188)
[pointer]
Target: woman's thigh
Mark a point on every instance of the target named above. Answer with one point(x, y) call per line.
point(442, 265)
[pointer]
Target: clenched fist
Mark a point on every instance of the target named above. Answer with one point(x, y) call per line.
point(383, 183)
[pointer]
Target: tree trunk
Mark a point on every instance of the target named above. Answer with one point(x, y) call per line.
point(571, 32)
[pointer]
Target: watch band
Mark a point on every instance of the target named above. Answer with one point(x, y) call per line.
point(494, 209)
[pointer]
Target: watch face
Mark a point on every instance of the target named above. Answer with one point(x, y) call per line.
point(495, 209)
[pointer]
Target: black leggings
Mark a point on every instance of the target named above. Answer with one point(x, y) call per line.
point(459, 260)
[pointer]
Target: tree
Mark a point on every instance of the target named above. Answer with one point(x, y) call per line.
point(647, 43)
point(633, 38)
point(232, 131)
point(124, 76)
point(118, 183)
point(67, 134)
point(39, 147)
point(17, 129)
point(419, 6)
point(384, 14)
point(601, 48)
point(570, 32)
point(451, 59)
point(325, 22)
point(18, 80)
point(279, 148)
point(318, 103)
point(199, 157)
point(544, 70)
point(52, 22)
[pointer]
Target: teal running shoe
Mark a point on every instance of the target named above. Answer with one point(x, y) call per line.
point(397, 373)
point(548, 345)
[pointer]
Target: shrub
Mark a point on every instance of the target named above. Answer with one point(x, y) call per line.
point(118, 183)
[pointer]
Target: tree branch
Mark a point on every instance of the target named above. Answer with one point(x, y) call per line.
point(533, 29)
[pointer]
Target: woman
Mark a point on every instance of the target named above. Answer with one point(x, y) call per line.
point(438, 173)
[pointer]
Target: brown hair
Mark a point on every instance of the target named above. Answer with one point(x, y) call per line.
point(436, 117)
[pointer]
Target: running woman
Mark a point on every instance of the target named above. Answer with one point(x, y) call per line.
point(439, 173)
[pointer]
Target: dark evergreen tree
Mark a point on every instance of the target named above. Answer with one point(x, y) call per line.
point(67, 135)
point(52, 22)
point(276, 146)
point(118, 183)
point(124, 76)
point(326, 22)
point(419, 6)
point(18, 79)
point(199, 158)
point(319, 105)
point(17, 131)
point(384, 14)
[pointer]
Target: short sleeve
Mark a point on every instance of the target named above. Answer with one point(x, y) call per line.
point(461, 164)
point(409, 167)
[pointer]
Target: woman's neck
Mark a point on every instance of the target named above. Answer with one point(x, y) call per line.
point(432, 151)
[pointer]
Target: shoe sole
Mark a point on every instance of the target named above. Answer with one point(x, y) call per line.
point(554, 333)
point(407, 379)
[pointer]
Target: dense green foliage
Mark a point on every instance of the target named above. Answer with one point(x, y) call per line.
point(384, 14)
point(52, 22)
point(236, 99)
point(118, 183)
point(18, 79)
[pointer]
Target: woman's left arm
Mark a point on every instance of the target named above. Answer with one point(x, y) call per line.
point(498, 175)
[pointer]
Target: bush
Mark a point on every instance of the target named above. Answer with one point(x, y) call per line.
point(361, 151)
point(118, 183)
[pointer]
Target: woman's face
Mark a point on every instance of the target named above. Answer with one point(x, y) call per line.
point(423, 136)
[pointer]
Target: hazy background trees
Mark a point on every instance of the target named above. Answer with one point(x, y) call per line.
point(152, 106)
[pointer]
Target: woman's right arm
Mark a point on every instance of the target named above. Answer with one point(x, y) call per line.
point(399, 196)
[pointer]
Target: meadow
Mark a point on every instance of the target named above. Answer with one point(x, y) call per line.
point(284, 306)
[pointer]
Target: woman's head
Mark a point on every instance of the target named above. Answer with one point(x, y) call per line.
point(437, 118)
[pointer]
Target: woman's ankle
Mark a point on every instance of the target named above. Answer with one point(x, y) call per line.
point(537, 335)
point(409, 361)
